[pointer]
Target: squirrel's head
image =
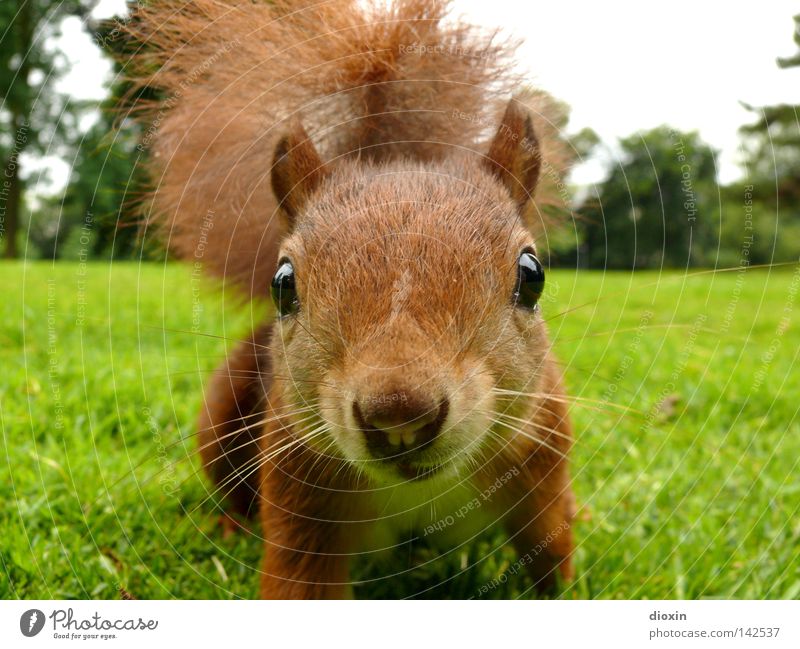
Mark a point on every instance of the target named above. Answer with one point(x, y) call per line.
point(408, 296)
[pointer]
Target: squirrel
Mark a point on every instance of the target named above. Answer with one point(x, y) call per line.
point(379, 171)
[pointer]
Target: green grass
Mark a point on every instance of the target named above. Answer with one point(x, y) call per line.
point(693, 493)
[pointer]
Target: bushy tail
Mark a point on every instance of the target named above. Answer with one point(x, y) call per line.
point(379, 81)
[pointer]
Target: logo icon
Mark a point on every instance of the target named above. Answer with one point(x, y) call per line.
point(31, 622)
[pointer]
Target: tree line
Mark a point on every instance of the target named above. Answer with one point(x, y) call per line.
point(659, 206)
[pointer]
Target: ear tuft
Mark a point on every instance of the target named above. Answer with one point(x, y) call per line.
point(515, 156)
point(297, 171)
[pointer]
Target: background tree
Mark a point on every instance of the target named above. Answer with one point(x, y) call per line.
point(657, 208)
point(108, 178)
point(772, 167)
point(32, 113)
point(772, 142)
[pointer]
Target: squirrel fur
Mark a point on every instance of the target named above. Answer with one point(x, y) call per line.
point(391, 159)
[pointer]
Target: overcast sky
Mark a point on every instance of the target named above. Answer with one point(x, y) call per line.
point(623, 65)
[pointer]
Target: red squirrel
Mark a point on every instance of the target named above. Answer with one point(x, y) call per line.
point(378, 171)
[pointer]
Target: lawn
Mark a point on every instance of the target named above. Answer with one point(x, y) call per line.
point(687, 486)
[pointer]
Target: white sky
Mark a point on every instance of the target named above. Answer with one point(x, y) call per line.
point(623, 65)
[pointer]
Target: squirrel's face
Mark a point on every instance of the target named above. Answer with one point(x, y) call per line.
point(408, 300)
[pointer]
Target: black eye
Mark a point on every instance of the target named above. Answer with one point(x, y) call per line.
point(530, 281)
point(283, 290)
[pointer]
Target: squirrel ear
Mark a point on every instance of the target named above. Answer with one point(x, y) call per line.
point(297, 170)
point(514, 156)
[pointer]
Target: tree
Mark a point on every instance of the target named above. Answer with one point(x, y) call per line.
point(772, 169)
point(657, 208)
point(31, 116)
point(98, 207)
point(108, 176)
point(772, 142)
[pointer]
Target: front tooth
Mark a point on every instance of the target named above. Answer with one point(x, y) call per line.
point(408, 438)
point(394, 438)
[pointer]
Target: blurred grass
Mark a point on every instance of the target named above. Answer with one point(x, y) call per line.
point(695, 494)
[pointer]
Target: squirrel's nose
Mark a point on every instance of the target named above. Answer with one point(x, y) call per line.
point(395, 425)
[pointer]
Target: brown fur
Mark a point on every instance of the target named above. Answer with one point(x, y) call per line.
point(404, 214)
point(229, 425)
point(234, 74)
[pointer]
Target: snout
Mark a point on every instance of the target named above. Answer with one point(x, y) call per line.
point(399, 425)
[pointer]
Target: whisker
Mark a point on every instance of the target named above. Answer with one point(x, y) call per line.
point(313, 337)
point(253, 425)
point(564, 398)
point(237, 374)
point(321, 454)
point(182, 440)
point(611, 332)
point(310, 406)
point(585, 406)
point(289, 447)
point(255, 459)
point(203, 334)
point(250, 441)
point(533, 438)
point(536, 425)
point(251, 467)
